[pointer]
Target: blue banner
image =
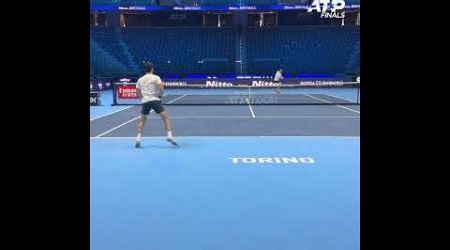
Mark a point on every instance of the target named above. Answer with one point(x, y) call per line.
point(104, 7)
point(208, 8)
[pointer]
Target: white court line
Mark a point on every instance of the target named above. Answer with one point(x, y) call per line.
point(313, 116)
point(323, 100)
point(337, 97)
point(238, 117)
point(250, 107)
point(265, 117)
point(116, 127)
point(98, 117)
point(135, 118)
point(237, 136)
point(176, 99)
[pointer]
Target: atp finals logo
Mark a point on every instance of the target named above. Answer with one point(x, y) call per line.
point(328, 8)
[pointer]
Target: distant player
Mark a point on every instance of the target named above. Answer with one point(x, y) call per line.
point(150, 88)
point(277, 79)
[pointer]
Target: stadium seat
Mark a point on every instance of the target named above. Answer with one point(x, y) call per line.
point(195, 50)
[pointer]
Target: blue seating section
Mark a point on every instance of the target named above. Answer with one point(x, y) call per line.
point(259, 2)
point(103, 63)
point(218, 2)
point(184, 51)
point(291, 2)
point(123, 2)
point(310, 49)
point(109, 40)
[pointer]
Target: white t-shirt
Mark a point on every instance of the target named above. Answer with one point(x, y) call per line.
point(278, 76)
point(149, 86)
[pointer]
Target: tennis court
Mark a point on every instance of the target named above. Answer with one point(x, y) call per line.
point(256, 175)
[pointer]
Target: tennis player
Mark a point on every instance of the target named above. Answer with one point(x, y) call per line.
point(150, 89)
point(278, 77)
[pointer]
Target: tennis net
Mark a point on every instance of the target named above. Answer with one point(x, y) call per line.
point(338, 94)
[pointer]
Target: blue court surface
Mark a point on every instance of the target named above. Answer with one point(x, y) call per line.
point(243, 177)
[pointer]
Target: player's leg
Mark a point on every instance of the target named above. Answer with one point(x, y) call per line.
point(141, 125)
point(277, 88)
point(159, 109)
point(168, 125)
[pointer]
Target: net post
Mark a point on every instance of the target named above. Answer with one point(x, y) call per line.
point(114, 95)
point(357, 98)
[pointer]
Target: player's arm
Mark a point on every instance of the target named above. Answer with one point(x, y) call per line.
point(161, 88)
point(138, 91)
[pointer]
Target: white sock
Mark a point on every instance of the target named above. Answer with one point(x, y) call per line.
point(138, 138)
point(169, 134)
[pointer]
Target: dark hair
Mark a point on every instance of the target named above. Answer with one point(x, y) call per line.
point(148, 66)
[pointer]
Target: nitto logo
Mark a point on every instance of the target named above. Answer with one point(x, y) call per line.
point(264, 84)
point(272, 160)
point(218, 84)
point(328, 8)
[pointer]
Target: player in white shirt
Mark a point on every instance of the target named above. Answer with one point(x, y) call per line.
point(278, 77)
point(150, 88)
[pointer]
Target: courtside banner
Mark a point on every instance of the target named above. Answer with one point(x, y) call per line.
point(126, 91)
point(95, 98)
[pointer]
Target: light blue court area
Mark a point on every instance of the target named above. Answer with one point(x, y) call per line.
point(225, 193)
point(97, 112)
point(106, 99)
